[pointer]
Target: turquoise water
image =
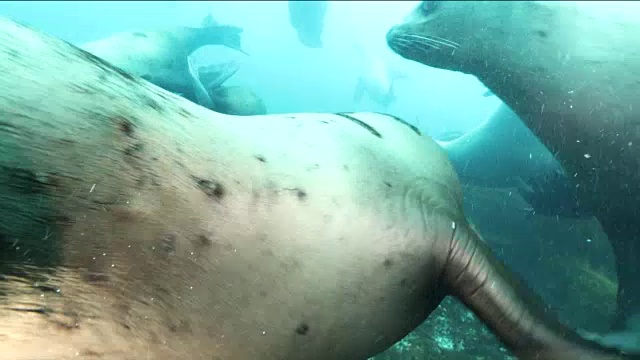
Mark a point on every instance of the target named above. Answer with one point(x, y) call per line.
point(290, 78)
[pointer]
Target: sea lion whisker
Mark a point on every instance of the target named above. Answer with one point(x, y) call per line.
point(435, 39)
point(417, 42)
point(421, 45)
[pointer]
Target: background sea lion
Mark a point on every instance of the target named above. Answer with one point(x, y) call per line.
point(160, 57)
point(503, 153)
point(376, 80)
point(572, 74)
point(307, 18)
point(174, 231)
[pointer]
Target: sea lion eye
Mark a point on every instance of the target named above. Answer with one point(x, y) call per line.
point(427, 7)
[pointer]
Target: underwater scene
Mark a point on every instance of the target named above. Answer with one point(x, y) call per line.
point(317, 180)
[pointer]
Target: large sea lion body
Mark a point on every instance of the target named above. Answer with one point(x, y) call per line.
point(571, 72)
point(502, 152)
point(138, 225)
point(161, 57)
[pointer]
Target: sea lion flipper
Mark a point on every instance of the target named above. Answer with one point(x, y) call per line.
point(202, 97)
point(226, 35)
point(213, 76)
point(513, 312)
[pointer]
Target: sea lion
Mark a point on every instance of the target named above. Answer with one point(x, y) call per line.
point(376, 81)
point(572, 73)
point(503, 153)
point(161, 57)
point(138, 225)
point(307, 18)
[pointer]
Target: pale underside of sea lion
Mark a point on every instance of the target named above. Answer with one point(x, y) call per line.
point(138, 225)
point(571, 71)
point(503, 153)
point(161, 57)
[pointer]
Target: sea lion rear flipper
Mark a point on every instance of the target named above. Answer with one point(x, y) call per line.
point(213, 76)
point(227, 35)
point(202, 97)
point(514, 313)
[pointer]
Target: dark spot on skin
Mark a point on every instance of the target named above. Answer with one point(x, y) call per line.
point(151, 103)
point(47, 288)
point(204, 240)
point(67, 141)
point(168, 243)
point(415, 129)
point(361, 123)
point(387, 263)
point(213, 189)
point(324, 122)
point(261, 158)
point(139, 34)
point(302, 329)
point(301, 194)
point(404, 282)
point(96, 278)
point(133, 150)
point(185, 113)
point(126, 127)
point(36, 310)
point(542, 34)
point(345, 167)
point(62, 220)
point(387, 183)
point(25, 181)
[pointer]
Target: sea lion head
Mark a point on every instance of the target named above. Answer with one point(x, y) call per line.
point(464, 35)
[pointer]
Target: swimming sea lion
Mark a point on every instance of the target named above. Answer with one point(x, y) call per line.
point(571, 72)
point(307, 18)
point(160, 57)
point(138, 225)
point(503, 153)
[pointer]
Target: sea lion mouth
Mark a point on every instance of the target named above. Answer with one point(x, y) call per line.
point(418, 47)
